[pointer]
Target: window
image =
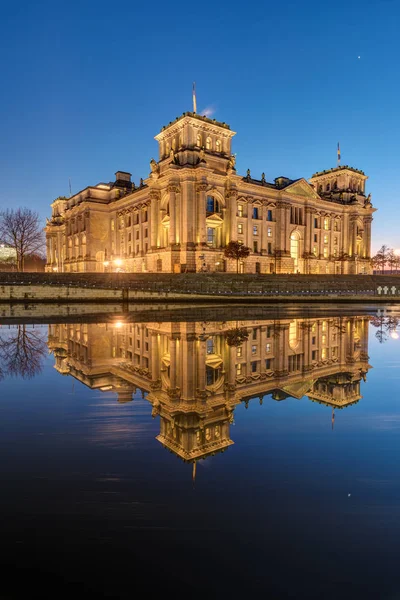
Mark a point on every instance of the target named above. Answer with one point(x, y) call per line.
point(269, 231)
point(198, 140)
point(240, 227)
point(254, 349)
point(269, 248)
point(240, 210)
point(335, 240)
point(255, 230)
point(326, 250)
point(268, 364)
point(335, 252)
point(210, 346)
point(323, 339)
point(212, 205)
point(315, 250)
point(211, 238)
point(328, 187)
point(269, 331)
point(254, 334)
point(218, 145)
point(208, 143)
point(255, 212)
point(313, 340)
point(326, 223)
point(269, 215)
point(314, 355)
point(315, 237)
point(130, 237)
point(238, 369)
point(254, 366)
point(323, 353)
point(137, 234)
point(239, 351)
point(112, 224)
point(146, 233)
point(144, 216)
point(316, 223)
point(336, 226)
point(324, 325)
point(326, 238)
point(255, 246)
point(268, 348)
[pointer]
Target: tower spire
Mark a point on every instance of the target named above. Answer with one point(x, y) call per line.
point(194, 97)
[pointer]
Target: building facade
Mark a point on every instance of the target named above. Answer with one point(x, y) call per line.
point(195, 374)
point(194, 203)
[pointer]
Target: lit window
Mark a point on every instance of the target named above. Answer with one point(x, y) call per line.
point(212, 205)
point(255, 230)
point(335, 252)
point(324, 325)
point(238, 369)
point(198, 140)
point(336, 226)
point(240, 210)
point(315, 250)
point(323, 353)
point(326, 238)
point(210, 346)
point(208, 143)
point(323, 338)
point(112, 225)
point(211, 236)
point(326, 223)
point(240, 227)
point(269, 232)
point(239, 351)
point(254, 349)
point(326, 252)
point(255, 212)
point(268, 348)
point(218, 145)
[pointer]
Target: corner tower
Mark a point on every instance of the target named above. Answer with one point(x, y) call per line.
point(193, 140)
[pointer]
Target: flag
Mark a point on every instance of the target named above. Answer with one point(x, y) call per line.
point(194, 98)
point(338, 154)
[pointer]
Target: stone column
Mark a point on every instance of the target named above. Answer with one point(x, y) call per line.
point(249, 236)
point(262, 228)
point(201, 213)
point(367, 236)
point(154, 212)
point(309, 231)
point(231, 198)
point(353, 222)
point(172, 190)
point(201, 369)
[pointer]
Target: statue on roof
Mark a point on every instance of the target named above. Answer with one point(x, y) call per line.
point(248, 174)
point(155, 169)
point(262, 177)
point(367, 202)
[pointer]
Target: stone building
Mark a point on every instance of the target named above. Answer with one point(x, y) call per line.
point(193, 203)
point(195, 374)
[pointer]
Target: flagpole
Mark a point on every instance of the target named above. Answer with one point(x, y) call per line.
point(194, 98)
point(338, 154)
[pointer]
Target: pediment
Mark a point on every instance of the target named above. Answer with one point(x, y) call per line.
point(301, 188)
point(298, 390)
point(214, 219)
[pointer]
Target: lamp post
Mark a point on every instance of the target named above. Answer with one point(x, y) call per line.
point(106, 264)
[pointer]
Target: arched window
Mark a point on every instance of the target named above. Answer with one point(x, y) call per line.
point(212, 205)
point(218, 145)
point(198, 141)
point(294, 248)
point(208, 143)
point(334, 185)
point(328, 187)
point(320, 190)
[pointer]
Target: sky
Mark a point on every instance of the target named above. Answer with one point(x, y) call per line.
point(87, 85)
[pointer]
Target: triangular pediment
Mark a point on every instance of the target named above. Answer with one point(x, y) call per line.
point(301, 187)
point(298, 390)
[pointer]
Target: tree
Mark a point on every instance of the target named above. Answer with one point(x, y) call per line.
point(381, 258)
point(21, 230)
point(236, 336)
point(22, 352)
point(237, 251)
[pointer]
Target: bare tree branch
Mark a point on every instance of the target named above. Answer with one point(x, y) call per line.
point(21, 230)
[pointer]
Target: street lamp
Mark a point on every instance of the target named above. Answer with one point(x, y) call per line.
point(106, 265)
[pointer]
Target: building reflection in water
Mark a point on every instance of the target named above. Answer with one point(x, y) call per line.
point(195, 374)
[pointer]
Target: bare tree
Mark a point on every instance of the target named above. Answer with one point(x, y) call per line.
point(21, 230)
point(237, 251)
point(381, 258)
point(22, 352)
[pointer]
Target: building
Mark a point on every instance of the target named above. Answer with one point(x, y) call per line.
point(195, 374)
point(193, 203)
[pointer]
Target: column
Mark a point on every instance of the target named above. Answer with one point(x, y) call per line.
point(172, 214)
point(154, 211)
point(367, 237)
point(249, 235)
point(201, 213)
point(262, 229)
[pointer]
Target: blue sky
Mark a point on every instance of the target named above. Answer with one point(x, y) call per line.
point(87, 85)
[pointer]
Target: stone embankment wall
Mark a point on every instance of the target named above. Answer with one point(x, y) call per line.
point(124, 287)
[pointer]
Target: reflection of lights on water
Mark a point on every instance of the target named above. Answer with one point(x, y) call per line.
point(118, 325)
point(394, 335)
